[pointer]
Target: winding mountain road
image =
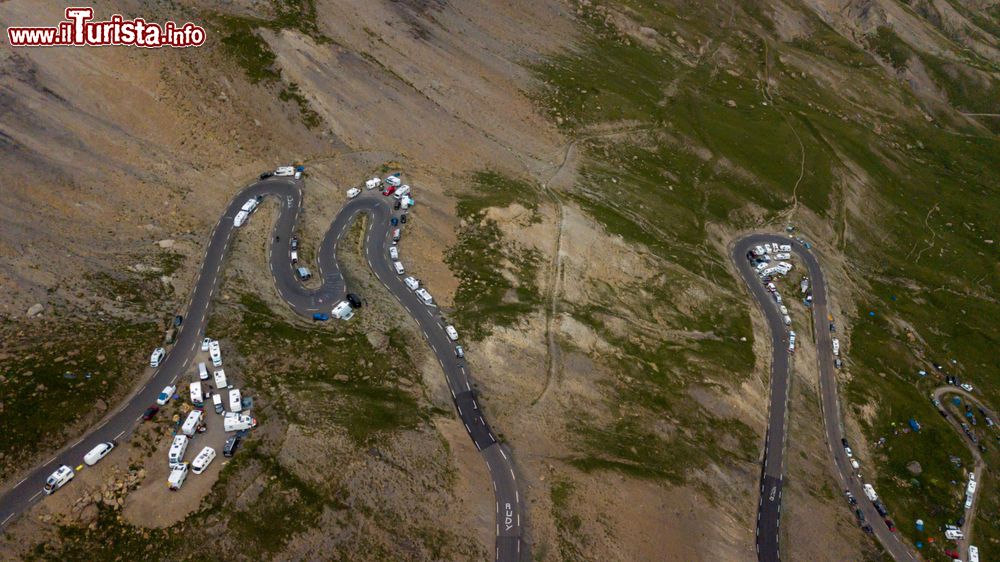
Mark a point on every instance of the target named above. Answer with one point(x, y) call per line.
point(768, 532)
point(123, 420)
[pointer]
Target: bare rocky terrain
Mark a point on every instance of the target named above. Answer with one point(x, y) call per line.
point(580, 169)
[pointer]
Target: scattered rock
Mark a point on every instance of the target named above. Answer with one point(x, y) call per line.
point(35, 309)
point(168, 243)
point(731, 103)
point(914, 468)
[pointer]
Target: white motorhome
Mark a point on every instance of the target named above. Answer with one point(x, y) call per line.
point(190, 426)
point(954, 534)
point(202, 371)
point(758, 250)
point(285, 171)
point(217, 402)
point(235, 400)
point(424, 296)
point(216, 353)
point(973, 553)
point(353, 192)
point(402, 192)
point(237, 422)
point(398, 266)
point(343, 311)
point(373, 183)
point(201, 462)
point(220, 379)
point(412, 283)
point(177, 450)
point(968, 501)
point(870, 492)
point(177, 476)
point(58, 479)
point(836, 347)
point(240, 219)
point(250, 205)
point(783, 256)
point(197, 398)
point(393, 180)
point(785, 247)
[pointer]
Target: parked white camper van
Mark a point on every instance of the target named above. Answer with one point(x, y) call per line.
point(177, 450)
point(177, 476)
point(220, 379)
point(235, 400)
point(190, 425)
point(204, 458)
point(197, 398)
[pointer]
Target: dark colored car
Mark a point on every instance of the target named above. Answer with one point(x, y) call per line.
point(880, 508)
point(295, 242)
point(394, 221)
point(396, 206)
point(860, 514)
point(353, 300)
point(266, 175)
point(402, 218)
point(150, 412)
point(843, 441)
point(178, 320)
point(951, 554)
point(231, 445)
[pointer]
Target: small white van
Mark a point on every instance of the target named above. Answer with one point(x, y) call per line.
point(284, 171)
point(237, 422)
point(235, 400)
point(205, 343)
point(98, 453)
point(204, 458)
point(202, 372)
point(156, 357)
point(398, 266)
point(220, 379)
point(401, 192)
point(394, 252)
point(191, 423)
point(217, 402)
point(452, 332)
point(58, 479)
point(412, 283)
point(177, 476)
point(240, 219)
point(177, 450)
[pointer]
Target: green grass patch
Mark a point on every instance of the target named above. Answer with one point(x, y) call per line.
point(54, 373)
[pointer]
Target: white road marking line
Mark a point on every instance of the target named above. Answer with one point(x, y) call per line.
point(122, 432)
point(6, 519)
point(46, 463)
point(32, 498)
point(21, 482)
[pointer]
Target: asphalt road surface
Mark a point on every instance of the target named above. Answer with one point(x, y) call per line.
point(768, 532)
point(122, 421)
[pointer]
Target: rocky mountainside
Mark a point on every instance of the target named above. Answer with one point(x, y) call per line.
point(582, 167)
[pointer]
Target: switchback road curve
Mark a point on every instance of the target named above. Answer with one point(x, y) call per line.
point(772, 474)
point(122, 421)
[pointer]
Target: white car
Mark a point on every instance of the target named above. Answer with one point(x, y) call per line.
point(849, 452)
point(98, 453)
point(166, 394)
point(353, 192)
point(855, 464)
point(205, 343)
point(295, 256)
point(394, 252)
point(452, 332)
point(156, 357)
point(967, 387)
point(399, 267)
point(58, 479)
point(412, 283)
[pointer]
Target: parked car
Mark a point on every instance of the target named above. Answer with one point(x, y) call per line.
point(320, 317)
point(849, 452)
point(396, 205)
point(178, 320)
point(353, 192)
point(394, 253)
point(98, 453)
point(459, 352)
point(295, 242)
point(156, 357)
point(843, 441)
point(303, 273)
point(205, 343)
point(353, 300)
point(266, 175)
point(966, 387)
point(166, 394)
point(890, 525)
point(452, 332)
point(402, 218)
point(394, 221)
point(295, 256)
point(231, 445)
point(389, 190)
point(150, 412)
